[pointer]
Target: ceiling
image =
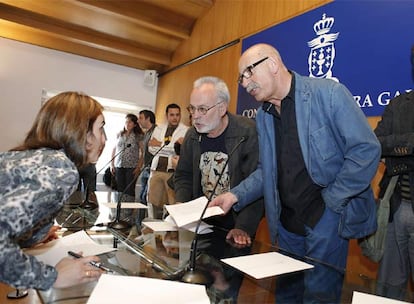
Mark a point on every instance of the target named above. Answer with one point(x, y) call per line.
point(142, 34)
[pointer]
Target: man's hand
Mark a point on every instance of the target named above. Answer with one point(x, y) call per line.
point(180, 140)
point(239, 237)
point(225, 201)
point(154, 142)
point(174, 161)
point(137, 171)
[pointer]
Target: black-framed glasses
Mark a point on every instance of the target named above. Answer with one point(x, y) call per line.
point(201, 109)
point(248, 72)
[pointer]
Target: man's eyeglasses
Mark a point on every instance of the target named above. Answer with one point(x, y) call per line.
point(248, 72)
point(202, 109)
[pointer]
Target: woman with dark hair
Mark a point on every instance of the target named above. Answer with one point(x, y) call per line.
point(36, 178)
point(127, 165)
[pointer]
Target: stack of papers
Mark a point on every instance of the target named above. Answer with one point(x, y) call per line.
point(186, 216)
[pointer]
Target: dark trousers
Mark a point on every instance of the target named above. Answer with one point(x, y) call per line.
point(126, 181)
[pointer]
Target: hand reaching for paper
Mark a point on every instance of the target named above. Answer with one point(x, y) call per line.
point(225, 201)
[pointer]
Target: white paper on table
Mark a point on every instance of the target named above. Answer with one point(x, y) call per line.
point(203, 229)
point(158, 226)
point(130, 289)
point(268, 264)
point(126, 205)
point(52, 252)
point(169, 225)
point(190, 212)
point(364, 298)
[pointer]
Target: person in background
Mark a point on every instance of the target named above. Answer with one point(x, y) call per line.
point(206, 150)
point(127, 165)
point(146, 119)
point(395, 132)
point(161, 146)
point(318, 156)
point(36, 178)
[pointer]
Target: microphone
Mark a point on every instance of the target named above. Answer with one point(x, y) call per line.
point(193, 275)
point(88, 205)
point(119, 224)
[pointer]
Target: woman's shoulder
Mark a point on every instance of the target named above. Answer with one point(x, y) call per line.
point(45, 156)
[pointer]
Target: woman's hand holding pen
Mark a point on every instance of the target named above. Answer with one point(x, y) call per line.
point(76, 271)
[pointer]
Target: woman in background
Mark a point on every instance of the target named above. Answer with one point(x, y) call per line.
point(127, 164)
point(36, 178)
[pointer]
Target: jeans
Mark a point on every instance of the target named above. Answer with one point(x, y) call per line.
point(323, 283)
point(398, 260)
point(142, 213)
point(144, 176)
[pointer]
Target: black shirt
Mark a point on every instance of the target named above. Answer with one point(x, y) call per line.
point(301, 199)
point(162, 160)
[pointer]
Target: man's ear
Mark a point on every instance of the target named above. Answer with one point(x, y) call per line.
point(274, 65)
point(223, 108)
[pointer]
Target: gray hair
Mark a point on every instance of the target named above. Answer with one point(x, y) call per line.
point(220, 86)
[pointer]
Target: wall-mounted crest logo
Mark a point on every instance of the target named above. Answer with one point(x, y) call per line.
point(322, 52)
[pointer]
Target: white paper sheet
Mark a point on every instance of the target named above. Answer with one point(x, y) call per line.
point(170, 225)
point(203, 229)
point(268, 264)
point(190, 212)
point(51, 253)
point(158, 226)
point(123, 289)
point(126, 205)
point(364, 298)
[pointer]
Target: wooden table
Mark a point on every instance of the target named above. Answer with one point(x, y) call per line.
point(31, 298)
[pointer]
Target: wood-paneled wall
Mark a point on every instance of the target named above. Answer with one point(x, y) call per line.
point(226, 21)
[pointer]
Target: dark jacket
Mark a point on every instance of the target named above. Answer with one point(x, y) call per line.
point(395, 131)
point(244, 160)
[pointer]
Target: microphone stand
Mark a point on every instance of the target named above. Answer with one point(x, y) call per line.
point(88, 205)
point(118, 224)
point(198, 276)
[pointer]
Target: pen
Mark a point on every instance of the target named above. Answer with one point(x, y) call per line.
point(93, 263)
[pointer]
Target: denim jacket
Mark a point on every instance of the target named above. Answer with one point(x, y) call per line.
point(340, 150)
